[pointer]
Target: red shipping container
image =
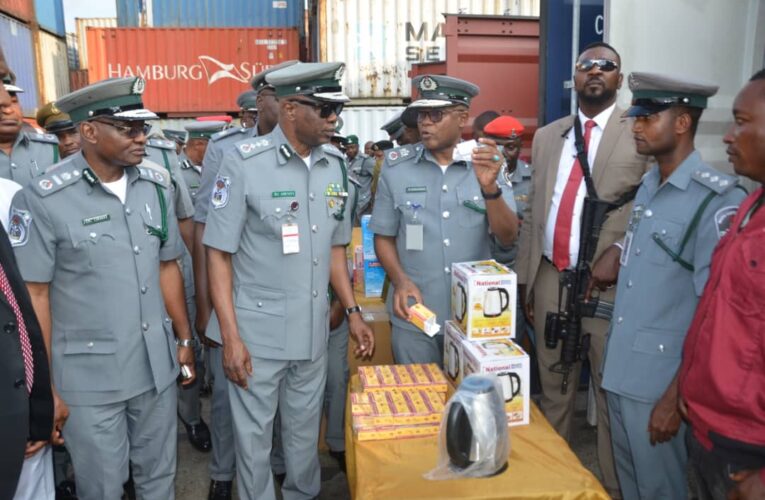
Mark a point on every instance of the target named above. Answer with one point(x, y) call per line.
point(189, 70)
point(20, 9)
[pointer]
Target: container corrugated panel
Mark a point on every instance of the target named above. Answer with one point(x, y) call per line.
point(20, 9)
point(81, 25)
point(16, 40)
point(50, 16)
point(78, 78)
point(72, 51)
point(129, 13)
point(380, 40)
point(52, 66)
point(365, 122)
point(189, 69)
point(221, 13)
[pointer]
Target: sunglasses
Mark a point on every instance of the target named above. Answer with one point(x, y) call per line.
point(129, 132)
point(604, 64)
point(435, 115)
point(326, 109)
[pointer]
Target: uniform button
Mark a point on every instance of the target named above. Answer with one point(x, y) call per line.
point(661, 347)
point(445, 214)
point(167, 319)
point(315, 262)
point(637, 251)
point(447, 270)
point(311, 196)
point(629, 284)
point(648, 213)
point(444, 188)
point(136, 250)
point(145, 326)
point(260, 304)
point(314, 228)
point(315, 293)
point(13, 165)
point(128, 211)
point(278, 210)
point(144, 289)
point(10, 327)
point(447, 242)
point(92, 235)
point(714, 178)
point(619, 319)
point(475, 198)
point(90, 345)
point(663, 232)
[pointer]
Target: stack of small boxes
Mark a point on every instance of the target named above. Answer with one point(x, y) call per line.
point(398, 401)
point(477, 339)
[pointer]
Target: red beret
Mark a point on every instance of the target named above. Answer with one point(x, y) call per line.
point(503, 127)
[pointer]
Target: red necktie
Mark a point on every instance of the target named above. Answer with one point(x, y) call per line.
point(26, 346)
point(563, 222)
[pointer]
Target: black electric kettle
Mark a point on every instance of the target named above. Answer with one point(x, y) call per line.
point(476, 427)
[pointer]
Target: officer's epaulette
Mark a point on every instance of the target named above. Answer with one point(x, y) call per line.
point(55, 179)
point(155, 173)
point(250, 147)
point(158, 142)
point(47, 138)
point(186, 164)
point(397, 155)
point(225, 133)
point(714, 179)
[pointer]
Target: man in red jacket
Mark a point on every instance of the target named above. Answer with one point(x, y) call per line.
point(722, 376)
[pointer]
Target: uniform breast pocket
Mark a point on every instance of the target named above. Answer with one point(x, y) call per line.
point(472, 207)
point(90, 361)
point(410, 206)
point(666, 236)
point(96, 243)
point(276, 212)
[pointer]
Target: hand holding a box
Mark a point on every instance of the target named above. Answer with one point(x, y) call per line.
point(402, 291)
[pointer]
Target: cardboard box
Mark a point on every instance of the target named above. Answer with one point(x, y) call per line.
point(505, 359)
point(414, 376)
point(483, 299)
point(405, 432)
point(453, 339)
point(397, 407)
point(374, 274)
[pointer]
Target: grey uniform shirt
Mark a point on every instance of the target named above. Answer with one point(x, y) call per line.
point(192, 176)
point(520, 181)
point(162, 153)
point(31, 155)
point(281, 301)
point(362, 168)
point(451, 210)
point(217, 147)
point(111, 337)
point(656, 297)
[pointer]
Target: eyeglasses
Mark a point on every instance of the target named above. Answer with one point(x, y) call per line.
point(606, 65)
point(435, 115)
point(326, 109)
point(129, 132)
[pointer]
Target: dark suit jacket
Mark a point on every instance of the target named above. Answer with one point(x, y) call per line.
point(23, 417)
point(618, 169)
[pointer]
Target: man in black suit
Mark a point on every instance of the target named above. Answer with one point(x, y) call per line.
point(26, 413)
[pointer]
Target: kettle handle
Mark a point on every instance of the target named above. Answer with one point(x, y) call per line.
point(504, 293)
point(457, 443)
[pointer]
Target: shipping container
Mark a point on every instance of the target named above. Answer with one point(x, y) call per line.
point(16, 40)
point(380, 40)
point(213, 13)
point(81, 25)
point(78, 78)
point(72, 52)
point(189, 70)
point(53, 70)
point(50, 16)
point(365, 122)
point(20, 9)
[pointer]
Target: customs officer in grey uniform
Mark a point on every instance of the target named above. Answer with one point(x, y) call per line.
point(24, 154)
point(681, 210)
point(96, 241)
point(362, 168)
point(402, 128)
point(199, 134)
point(177, 136)
point(263, 98)
point(435, 207)
point(59, 124)
point(276, 234)
point(248, 108)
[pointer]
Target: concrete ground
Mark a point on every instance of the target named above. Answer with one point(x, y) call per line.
point(193, 480)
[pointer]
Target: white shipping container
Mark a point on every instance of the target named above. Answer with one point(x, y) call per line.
point(365, 122)
point(52, 66)
point(82, 24)
point(380, 40)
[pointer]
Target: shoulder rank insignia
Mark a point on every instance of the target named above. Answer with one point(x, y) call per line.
point(228, 132)
point(47, 138)
point(714, 180)
point(55, 179)
point(158, 142)
point(253, 146)
point(397, 155)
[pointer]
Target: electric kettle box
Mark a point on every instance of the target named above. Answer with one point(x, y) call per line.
point(483, 299)
point(505, 359)
point(453, 340)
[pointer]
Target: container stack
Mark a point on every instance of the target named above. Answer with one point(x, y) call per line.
point(478, 338)
point(398, 401)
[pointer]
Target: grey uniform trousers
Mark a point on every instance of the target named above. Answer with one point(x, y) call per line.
point(189, 406)
point(557, 407)
point(414, 346)
point(222, 461)
point(297, 388)
point(337, 386)
point(106, 440)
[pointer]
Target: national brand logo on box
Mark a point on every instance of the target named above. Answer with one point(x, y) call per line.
point(493, 282)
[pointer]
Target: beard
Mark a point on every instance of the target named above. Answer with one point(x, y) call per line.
point(604, 97)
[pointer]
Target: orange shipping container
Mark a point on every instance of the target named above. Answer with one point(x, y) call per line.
point(189, 70)
point(20, 9)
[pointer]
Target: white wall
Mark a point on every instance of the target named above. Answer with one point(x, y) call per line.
point(721, 41)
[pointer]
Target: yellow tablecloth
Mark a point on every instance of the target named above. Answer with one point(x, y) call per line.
point(541, 466)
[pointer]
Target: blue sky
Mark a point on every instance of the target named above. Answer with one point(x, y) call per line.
point(87, 8)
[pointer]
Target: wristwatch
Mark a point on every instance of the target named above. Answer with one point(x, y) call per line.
point(492, 196)
point(351, 310)
point(186, 342)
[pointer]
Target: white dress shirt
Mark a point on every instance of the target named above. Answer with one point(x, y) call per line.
point(567, 157)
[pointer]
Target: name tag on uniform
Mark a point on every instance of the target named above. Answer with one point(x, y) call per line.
point(290, 238)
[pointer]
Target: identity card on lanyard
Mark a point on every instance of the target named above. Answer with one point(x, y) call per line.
point(414, 232)
point(290, 238)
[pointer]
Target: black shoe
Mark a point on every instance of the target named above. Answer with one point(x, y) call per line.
point(340, 457)
point(199, 435)
point(219, 490)
point(280, 479)
point(66, 491)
